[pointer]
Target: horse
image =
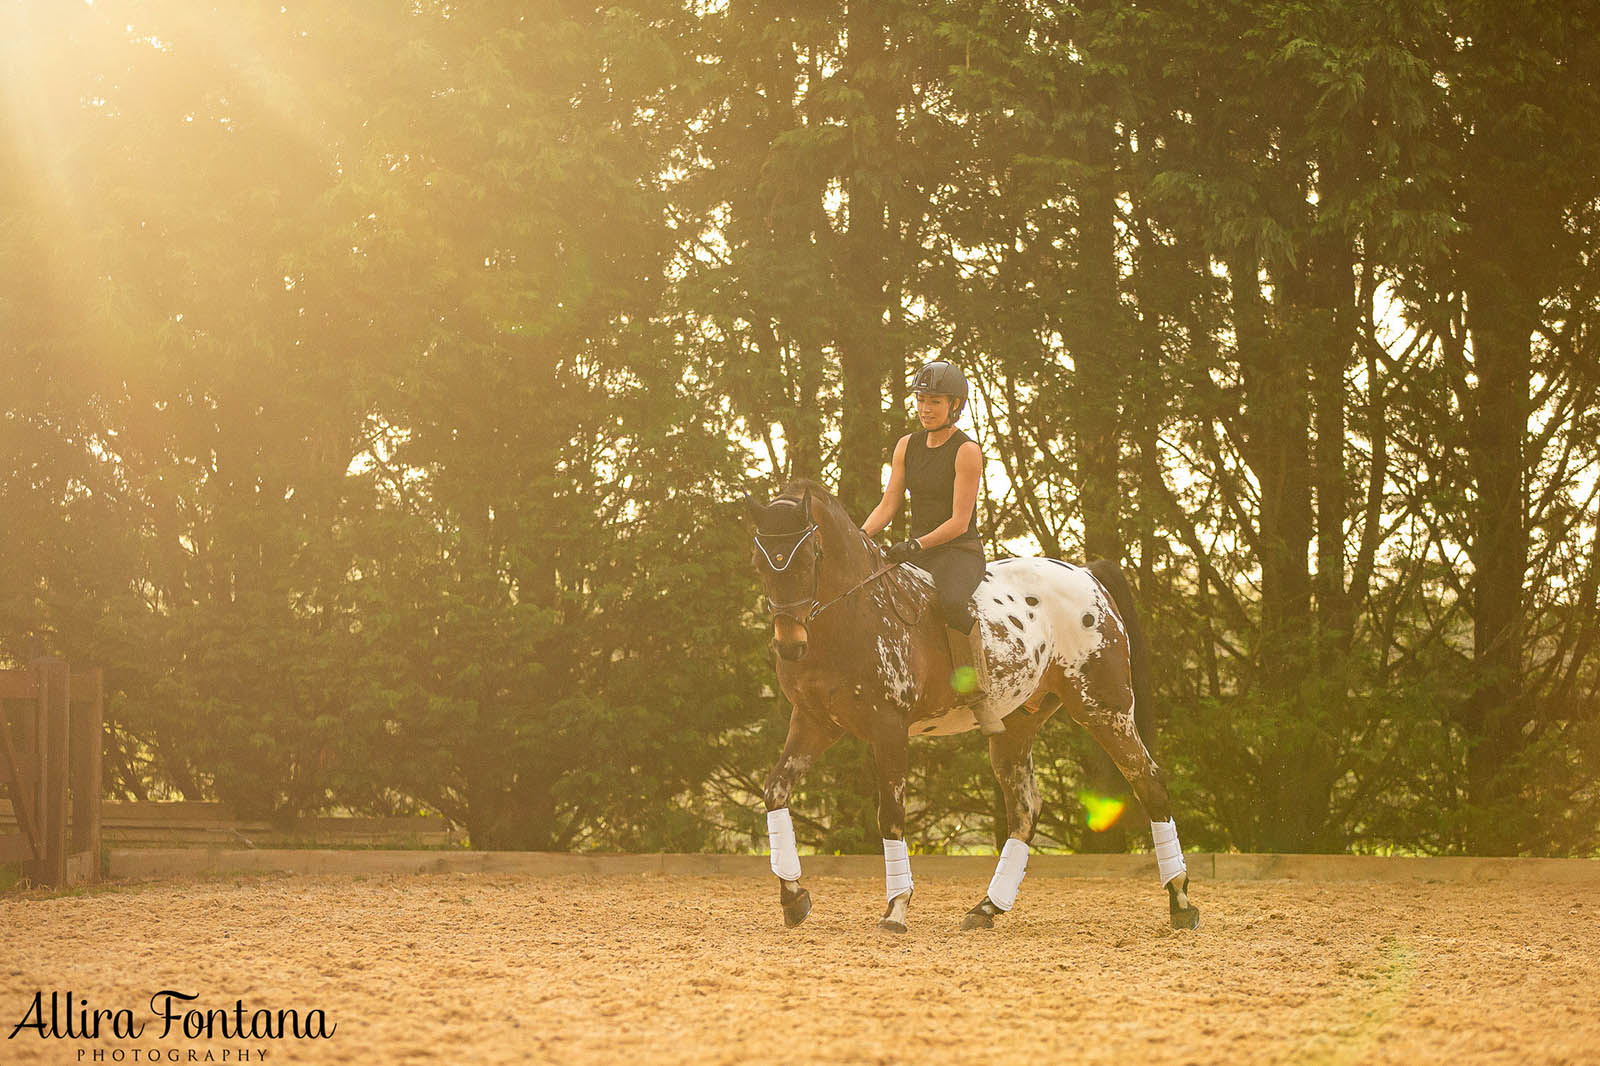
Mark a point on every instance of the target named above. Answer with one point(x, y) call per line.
point(849, 660)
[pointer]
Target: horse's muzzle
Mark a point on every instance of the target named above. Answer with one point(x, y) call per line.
point(789, 637)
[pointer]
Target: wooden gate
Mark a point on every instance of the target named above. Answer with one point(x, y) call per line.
point(50, 737)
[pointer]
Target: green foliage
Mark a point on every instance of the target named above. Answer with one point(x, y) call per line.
point(376, 378)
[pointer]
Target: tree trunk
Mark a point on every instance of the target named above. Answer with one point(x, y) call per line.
point(1277, 449)
point(1277, 419)
point(1102, 355)
point(862, 355)
point(1331, 348)
point(863, 366)
point(1500, 323)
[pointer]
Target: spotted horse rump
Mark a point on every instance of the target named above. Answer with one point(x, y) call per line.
point(859, 651)
point(1037, 615)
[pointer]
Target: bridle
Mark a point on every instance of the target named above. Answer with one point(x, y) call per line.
point(779, 564)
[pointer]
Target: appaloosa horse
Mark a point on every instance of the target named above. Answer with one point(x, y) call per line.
point(850, 661)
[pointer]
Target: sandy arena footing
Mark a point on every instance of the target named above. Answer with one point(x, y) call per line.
point(644, 969)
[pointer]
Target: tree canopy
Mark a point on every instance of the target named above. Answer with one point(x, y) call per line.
point(379, 381)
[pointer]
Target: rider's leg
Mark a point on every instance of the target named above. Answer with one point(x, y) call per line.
point(969, 676)
point(956, 573)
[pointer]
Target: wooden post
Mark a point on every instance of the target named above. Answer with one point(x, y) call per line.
point(55, 704)
point(88, 723)
point(31, 748)
point(19, 685)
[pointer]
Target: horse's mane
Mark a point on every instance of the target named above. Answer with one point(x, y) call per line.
point(796, 489)
point(799, 485)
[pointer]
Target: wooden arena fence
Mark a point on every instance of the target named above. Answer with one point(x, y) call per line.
point(186, 824)
point(50, 725)
point(154, 862)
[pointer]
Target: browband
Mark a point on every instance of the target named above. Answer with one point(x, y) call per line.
point(780, 564)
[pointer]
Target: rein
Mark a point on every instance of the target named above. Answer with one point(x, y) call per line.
point(783, 609)
point(875, 575)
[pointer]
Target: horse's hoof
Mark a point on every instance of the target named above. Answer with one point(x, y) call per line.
point(796, 910)
point(981, 916)
point(1184, 914)
point(889, 925)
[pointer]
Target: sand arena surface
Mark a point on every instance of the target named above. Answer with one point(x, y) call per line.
point(475, 968)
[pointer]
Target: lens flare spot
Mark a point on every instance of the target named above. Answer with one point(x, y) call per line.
point(964, 680)
point(1101, 812)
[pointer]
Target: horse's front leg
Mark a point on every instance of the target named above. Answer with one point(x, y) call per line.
point(1011, 755)
point(890, 755)
point(809, 736)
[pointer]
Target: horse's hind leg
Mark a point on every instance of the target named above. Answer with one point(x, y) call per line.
point(809, 736)
point(1115, 732)
point(1011, 755)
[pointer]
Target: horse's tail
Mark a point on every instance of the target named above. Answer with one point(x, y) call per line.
point(1111, 577)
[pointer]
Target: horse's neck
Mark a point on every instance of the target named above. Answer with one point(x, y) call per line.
point(850, 552)
point(858, 557)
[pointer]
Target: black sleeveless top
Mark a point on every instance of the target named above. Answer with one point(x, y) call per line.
point(931, 481)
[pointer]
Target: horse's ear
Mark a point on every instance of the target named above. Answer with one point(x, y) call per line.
point(756, 510)
point(805, 504)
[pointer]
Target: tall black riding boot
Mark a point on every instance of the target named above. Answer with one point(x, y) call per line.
point(966, 650)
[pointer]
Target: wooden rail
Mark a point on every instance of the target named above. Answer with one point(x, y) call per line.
point(1582, 874)
point(190, 824)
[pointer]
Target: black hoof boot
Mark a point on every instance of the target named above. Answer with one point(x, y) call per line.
point(1184, 914)
point(796, 906)
point(889, 923)
point(981, 916)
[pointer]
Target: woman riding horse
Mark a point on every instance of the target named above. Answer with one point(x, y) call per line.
point(942, 468)
point(1058, 637)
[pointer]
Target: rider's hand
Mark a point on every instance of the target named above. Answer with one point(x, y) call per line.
point(899, 553)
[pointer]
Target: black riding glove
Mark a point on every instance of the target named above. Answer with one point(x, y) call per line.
point(899, 553)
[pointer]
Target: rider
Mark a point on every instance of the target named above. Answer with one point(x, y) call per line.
point(942, 467)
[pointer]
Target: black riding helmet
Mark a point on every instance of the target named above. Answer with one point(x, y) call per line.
point(942, 378)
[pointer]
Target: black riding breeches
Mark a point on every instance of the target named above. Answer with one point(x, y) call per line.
point(956, 573)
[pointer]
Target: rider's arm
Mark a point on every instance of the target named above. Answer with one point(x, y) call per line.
point(879, 518)
point(969, 463)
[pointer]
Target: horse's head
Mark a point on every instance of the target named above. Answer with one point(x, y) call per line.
point(788, 556)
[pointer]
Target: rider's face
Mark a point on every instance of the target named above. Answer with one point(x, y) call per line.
point(933, 410)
